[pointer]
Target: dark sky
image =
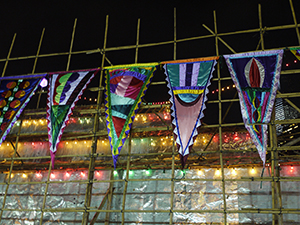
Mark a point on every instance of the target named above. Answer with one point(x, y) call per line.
point(28, 18)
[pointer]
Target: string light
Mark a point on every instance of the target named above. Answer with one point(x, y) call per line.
point(38, 175)
point(24, 175)
point(82, 174)
point(68, 174)
point(52, 176)
point(200, 172)
point(115, 173)
point(131, 173)
point(148, 172)
point(233, 172)
point(253, 170)
point(98, 174)
point(218, 172)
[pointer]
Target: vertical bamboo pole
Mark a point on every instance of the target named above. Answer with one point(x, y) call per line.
point(88, 193)
point(71, 45)
point(295, 21)
point(111, 185)
point(126, 179)
point(137, 41)
point(8, 55)
point(261, 29)
point(172, 182)
point(220, 118)
point(175, 36)
point(35, 62)
point(276, 190)
point(10, 170)
point(45, 193)
point(38, 51)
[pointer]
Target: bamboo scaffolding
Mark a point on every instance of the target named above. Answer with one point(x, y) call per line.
point(170, 159)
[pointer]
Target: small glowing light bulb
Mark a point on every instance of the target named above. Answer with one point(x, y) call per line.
point(200, 172)
point(233, 172)
point(24, 175)
point(52, 176)
point(67, 174)
point(218, 172)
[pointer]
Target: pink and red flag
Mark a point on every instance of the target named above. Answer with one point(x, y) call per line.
point(188, 81)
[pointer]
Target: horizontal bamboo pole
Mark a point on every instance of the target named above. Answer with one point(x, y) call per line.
point(241, 179)
point(99, 155)
point(253, 210)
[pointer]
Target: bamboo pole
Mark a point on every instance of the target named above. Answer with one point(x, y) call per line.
point(295, 21)
point(242, 179)
point(111, 188)
point(261, 30)
point(220, 119)
point(240, 211)
point(137, 41)
point(126, 179)
point(220, 39)
point(10, 171)
point(45, 193)
point(38, 51)
point(276, 164)
point(271, 130)
point(8, 55)
point(71, 45)
point(155, 44)
point(35, 62)
point(175, 35)
point(100, 207)
point(95, 129)
point(172, 182)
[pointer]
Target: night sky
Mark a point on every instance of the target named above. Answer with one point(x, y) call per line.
point(57, 17)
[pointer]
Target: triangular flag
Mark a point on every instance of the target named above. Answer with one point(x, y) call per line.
point(188, 81)
point(256, 77)
point(125, 88)
point(15, 93)
point(296, 52)
point(64, 91)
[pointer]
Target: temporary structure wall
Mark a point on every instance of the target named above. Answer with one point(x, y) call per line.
point(221, 185)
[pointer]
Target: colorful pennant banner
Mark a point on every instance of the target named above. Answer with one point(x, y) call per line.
point(256, 76)
point(125, 89)
point(64, 90)
point(15, 93)
point(188, 81)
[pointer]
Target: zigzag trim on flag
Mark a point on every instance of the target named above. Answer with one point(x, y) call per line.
point(20, 110)
point(53, 146)
point(260, 147)
point(201, 115)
